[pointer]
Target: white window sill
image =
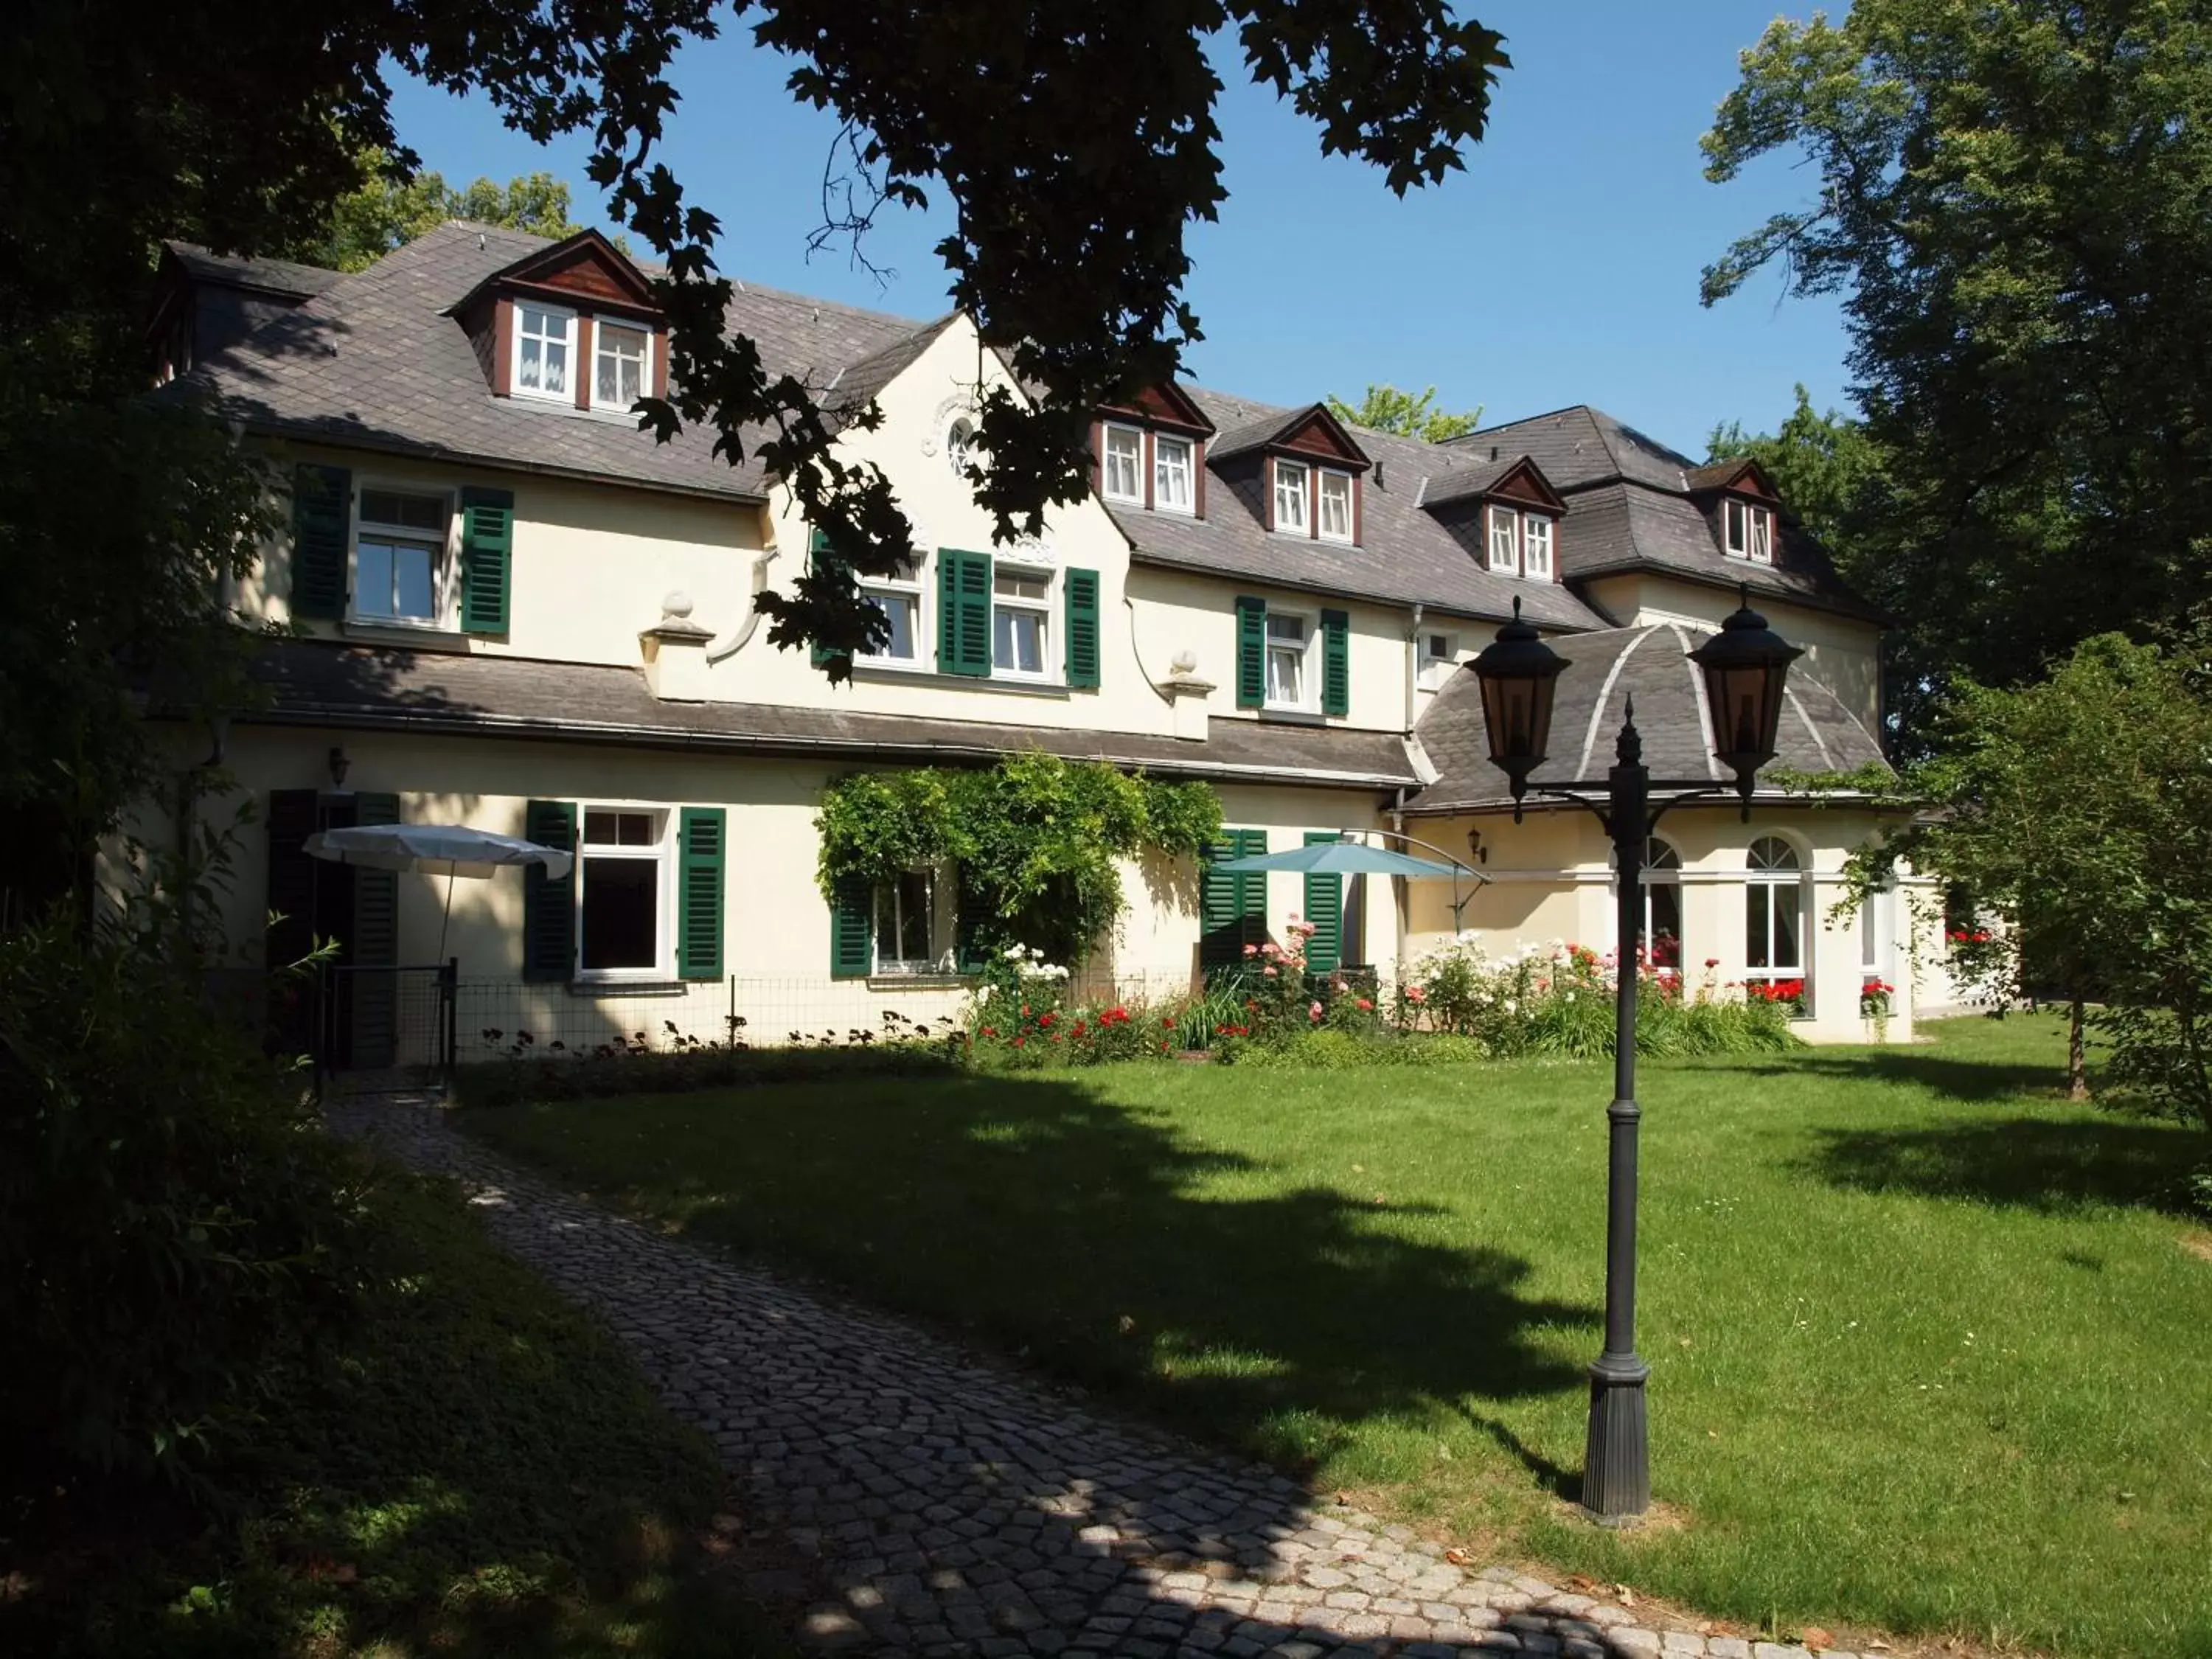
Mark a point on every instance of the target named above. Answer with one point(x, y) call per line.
point(647, 985)
point(889, 980)
point(428, 636)
point(1336, 541)
point(1290, 716)
point(1137, 501)
point(870, 668)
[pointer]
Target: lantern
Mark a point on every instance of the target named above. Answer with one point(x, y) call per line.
point(1519, 674)
point(1744, 666)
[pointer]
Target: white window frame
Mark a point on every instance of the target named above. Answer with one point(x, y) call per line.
point(662, 853)
point(1041, 609)
point(1187, 504)
point(940, 941)
point(1434, 669)
point(559, 313)
point(1134, 495)
point(915, 590)
point(1669, 875)
point(443, 583)
point(1765, 883)
point(1748, 529)
point(1507, 519)
point(599, 327)
point(1308, 701)
point(1349, 532)
point(1301, 492)
point(1538, 528)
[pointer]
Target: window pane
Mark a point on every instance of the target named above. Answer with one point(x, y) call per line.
point(1171, 473)
point(1535, 544)
point(1020, 584)
point(1018, 642)
point(1762, 535)
point(1662, 923)
point(555, 374)
point(1292, 629)
point(1772, 852)
point(1123, 449)
point(372, 586)
point(1736, 534)
point(1285, 675)
point(529, 372)
point(1505, 528)
point(1758, 907)
point(1787, 902)
point(621, 896)
point(1336, 506)
point(1290, 496)
point(914, 916)
point(411, 583)
point(900, 608)
point(389, 507)
point(622, 356)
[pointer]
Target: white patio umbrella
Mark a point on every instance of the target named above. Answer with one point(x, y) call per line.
point(460, 851)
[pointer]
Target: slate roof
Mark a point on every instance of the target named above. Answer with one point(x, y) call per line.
point(285, 277)
point(1629, 507)
point(1407, 555)
point(317, 682)
point(1817, 733)
point(375, 361)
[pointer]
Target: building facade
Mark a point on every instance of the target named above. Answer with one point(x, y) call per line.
point(509, 608)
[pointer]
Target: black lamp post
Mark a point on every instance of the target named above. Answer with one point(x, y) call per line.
point(1743, 667)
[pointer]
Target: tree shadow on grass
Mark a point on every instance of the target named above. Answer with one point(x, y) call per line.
point(1970, 1080)
point(1088, 1239)
point(2026, 1163)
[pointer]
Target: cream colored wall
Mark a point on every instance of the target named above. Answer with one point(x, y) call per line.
point(1551, 879)
point(1844, 655)
point(776, 921)
point(590, 563)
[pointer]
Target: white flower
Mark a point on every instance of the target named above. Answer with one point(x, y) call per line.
point(1015, 953)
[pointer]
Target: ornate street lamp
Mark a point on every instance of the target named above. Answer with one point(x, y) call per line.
point(1743, 668)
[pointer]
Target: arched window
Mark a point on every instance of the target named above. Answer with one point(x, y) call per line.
point(960, 445)
point(1662, 906)
point(1774, 930)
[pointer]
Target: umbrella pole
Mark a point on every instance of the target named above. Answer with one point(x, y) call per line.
point(448, 921)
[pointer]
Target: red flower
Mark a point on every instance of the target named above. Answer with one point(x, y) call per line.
point(1046, 1018)
point(1019, 1041)
point(987, 1031)
point(1168, 1024)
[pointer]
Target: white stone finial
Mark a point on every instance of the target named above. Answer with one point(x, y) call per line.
point(1185, 662)
point(676, 603)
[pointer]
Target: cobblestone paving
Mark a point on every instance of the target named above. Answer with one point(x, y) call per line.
point(938, 1505)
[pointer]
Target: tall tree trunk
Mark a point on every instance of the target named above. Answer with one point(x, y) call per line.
point(2077, 1063)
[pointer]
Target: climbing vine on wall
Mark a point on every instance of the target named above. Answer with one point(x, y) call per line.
point(1034, 840)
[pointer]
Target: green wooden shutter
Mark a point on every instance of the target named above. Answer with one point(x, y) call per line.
point(819, 557)
point(1325, 909)
point(322, 516)
point(852, 930)
point(1335, 663)
point(1083, 628)
point(963, 612)
point(1233, 908)
point(374, 945)
point(487, 559)
point(549, 905)
point(702, 834)
point(1251, 651)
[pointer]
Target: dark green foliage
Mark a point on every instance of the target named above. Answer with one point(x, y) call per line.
point(475, 1468)
point(897, 1050)
point(2009, 198)
point(172, 1217)
point(1034, 841)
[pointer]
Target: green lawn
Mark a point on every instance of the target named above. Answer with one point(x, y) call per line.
point(1931, 1351)
point(480, 1472)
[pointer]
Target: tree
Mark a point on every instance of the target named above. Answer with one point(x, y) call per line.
point(2079, 807)
point(1402, 415)
point(1076, 145)
point(391, 209)
point(2010, 202)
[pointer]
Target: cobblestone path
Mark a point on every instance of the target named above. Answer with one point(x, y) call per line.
point(939, 1505)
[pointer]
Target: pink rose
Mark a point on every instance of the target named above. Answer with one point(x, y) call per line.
point(1251, 950)
point(1313, 1013)
point(1269, 971)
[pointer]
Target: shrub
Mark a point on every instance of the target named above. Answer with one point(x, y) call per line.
point(617, 1069)
point(173, 1218)
point(1331, 1050)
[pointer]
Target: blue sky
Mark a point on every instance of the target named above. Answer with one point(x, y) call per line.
point(1561, 267)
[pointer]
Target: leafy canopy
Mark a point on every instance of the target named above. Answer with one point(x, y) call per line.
point(2009, 197)
point(1405, 415)
point(392, 208)
point(1035, 841)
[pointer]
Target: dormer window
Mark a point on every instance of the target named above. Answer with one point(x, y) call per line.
point(544, 342)
point(1521, 542)
point(1121, 467)
point(1749, 530)
point(1171, 474)
point(622, 364)
point(1335, 515)
point(1290, 485)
